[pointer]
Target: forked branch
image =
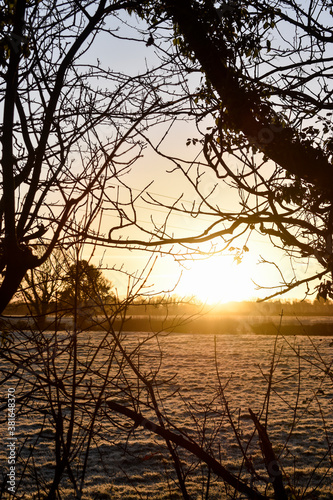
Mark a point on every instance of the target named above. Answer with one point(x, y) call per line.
point(190, 446)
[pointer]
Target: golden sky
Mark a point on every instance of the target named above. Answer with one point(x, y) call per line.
point(216, 279)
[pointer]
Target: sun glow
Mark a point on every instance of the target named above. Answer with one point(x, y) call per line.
point(219, 280)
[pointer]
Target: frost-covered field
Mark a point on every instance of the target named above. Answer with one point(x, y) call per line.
point(300, 422)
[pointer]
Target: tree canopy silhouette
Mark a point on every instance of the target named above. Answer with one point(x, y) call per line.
point(40, 287)
point(262, 112)
point(267, 83)
point(85, 287)
point(254, 78)
point(70, 128)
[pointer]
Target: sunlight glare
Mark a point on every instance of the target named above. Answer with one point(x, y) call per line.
point(218, 280)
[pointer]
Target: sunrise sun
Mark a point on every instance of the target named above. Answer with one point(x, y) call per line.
point(219, 280)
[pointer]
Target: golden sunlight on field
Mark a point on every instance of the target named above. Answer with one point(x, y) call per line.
point(219, 279)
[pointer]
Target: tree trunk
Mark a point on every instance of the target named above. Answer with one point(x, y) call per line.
point(247, 111)
point(18, 262)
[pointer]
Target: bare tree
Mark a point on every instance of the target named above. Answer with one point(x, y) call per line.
point(260, 90)
point(56, 115)
point(267, 89)
point(62, 285)
point(40, 287)
point(69, 128)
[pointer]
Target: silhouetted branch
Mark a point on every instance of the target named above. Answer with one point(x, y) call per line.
point(270, 460)
point(192, 447)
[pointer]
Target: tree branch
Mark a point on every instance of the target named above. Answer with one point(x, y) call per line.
point(190, 446)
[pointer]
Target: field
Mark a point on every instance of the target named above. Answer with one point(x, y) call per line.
point(203, 373)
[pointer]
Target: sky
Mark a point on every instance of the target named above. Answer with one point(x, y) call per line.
point(220, 278)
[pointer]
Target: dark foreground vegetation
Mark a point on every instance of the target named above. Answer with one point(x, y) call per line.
point(229, 105)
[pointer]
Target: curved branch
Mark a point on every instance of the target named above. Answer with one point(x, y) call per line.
point(248, 111)
point(190, 446)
